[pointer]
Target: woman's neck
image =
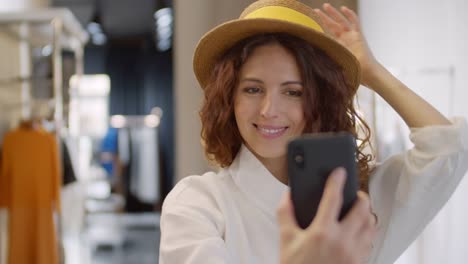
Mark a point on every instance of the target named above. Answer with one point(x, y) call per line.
point(276, 166)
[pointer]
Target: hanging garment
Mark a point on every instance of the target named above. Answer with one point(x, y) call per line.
point(68, 172)
point(109, 148)
point(3, 235)
point(144, 179)
point(123, 146)
point(29, 190)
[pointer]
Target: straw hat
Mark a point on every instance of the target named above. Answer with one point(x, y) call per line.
point(272, 16)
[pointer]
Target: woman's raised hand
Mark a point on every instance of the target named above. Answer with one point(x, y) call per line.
point(346, 29)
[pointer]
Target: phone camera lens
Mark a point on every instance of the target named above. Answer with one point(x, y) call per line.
point(299, 159)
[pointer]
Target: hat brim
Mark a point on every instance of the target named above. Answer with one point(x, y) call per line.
point(216, 42)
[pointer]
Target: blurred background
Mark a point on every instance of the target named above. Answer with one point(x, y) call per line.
point(112, 81)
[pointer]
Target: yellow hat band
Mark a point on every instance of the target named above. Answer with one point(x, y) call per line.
point(286, 14)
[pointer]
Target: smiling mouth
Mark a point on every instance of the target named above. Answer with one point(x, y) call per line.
point(270, 131)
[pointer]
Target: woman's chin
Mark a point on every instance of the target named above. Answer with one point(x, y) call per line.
point(269, 152)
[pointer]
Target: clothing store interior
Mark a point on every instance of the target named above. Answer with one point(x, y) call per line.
point(108, 87)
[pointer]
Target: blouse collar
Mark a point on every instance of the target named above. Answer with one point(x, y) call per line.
point(256, 181)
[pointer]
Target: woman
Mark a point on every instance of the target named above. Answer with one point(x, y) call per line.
point(281, 70)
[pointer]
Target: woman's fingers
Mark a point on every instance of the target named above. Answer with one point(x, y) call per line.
point(366, 236)
point(352, 18)
point(338, 22)
point(359, 217)
point(329, 23)
point(286, 219)
point(337, 16)
point(359, 225)
point(332, 198)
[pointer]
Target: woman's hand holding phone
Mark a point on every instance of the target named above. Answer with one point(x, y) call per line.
point(326, 239)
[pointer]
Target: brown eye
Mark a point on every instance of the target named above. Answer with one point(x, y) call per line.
point(251, 90)
point(294, 93)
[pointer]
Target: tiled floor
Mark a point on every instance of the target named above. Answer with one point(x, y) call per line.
point(140, 247)
point(116, 239)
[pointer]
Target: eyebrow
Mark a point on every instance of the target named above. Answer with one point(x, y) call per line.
point(259, 81)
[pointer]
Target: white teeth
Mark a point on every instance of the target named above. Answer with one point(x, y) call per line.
point(270, 131)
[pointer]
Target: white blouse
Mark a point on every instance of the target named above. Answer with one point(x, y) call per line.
point(230, 216)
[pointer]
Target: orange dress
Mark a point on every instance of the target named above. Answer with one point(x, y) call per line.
point(29, 189)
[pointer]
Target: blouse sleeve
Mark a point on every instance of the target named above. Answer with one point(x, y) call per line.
point(191, 228)
point(409, 189)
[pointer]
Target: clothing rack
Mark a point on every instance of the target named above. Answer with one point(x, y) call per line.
point(56, 27)
point(52, 29)
point(7, 82)
point(13, 105)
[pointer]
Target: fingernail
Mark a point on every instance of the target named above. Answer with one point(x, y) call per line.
point(339, 174)
point(284, 199)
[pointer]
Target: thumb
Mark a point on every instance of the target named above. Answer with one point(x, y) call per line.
point(285, 214)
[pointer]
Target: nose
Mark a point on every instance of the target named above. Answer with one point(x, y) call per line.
point(269, 107)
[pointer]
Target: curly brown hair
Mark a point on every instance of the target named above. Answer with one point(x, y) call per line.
point(329, 108)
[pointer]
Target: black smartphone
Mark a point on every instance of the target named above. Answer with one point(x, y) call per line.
point(311, 159)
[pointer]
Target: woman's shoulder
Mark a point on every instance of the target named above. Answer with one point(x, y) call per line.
point(194, 206)
point(197, 190)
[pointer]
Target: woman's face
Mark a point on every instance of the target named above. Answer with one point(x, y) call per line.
point(268, 101)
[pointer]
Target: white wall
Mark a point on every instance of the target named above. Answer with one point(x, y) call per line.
point(458, 44)
point(414, 37)
point(458, 205)
point(192, 18)
point(407, 33)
